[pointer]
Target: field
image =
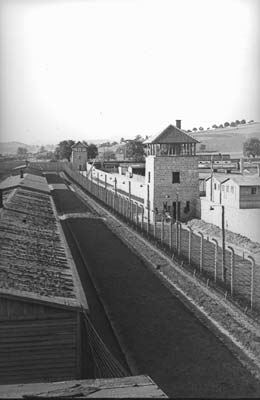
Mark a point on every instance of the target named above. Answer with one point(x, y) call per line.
point(228, 139)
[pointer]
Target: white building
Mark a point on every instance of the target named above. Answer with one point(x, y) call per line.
point(240, 196)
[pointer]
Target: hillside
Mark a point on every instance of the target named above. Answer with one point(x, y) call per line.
point(11, 147)
point(227, 139)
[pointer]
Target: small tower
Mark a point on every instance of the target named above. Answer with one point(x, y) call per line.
point(171, 174)
point(79, 156)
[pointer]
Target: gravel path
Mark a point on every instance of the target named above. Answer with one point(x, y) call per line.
point(166, 340)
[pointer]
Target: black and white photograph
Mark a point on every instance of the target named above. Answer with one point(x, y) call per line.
point(130, 199)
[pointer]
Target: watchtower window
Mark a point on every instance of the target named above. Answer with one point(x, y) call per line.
point(175, 177)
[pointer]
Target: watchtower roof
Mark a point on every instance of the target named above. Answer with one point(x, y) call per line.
point(79, 144)
point(171, 134)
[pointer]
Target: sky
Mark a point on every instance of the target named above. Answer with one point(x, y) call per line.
point(101, 69)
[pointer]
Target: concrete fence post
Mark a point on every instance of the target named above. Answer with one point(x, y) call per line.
point(142, 219)
point(189, 249)
point(201, 250)
point(131, 212)
point(162, 229)
point(177, 236)
point(180, 229)
point(170, 235)
point(252, 260)
point(136, 213)
point(98, 185)
point(148, 221)
point(154, 225)
point(215, 258)
point(232, 265)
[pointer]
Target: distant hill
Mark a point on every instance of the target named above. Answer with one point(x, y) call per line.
point(11, 147)
point(229, 140)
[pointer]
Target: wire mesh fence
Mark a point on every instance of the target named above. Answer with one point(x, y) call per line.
point(238, 277)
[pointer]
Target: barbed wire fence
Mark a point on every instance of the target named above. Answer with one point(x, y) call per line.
point(238, 280)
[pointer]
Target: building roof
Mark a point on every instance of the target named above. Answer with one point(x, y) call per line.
point(29, 181)
point(34, 263)
point(219, 177)
point(246, 180)
point(130, 387)
point(171, 134)
point(79, 144)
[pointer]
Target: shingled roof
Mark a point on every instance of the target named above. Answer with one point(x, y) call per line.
point(171, 134)
point(34, 263)
point(79, 144)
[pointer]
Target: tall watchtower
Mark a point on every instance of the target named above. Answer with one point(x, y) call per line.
point(79, 156)
point(171, 174)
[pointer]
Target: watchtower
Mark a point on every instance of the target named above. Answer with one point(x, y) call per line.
point(171, 174)
point(79, 156)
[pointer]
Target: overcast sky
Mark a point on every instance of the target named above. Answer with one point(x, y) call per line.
point(100, 69)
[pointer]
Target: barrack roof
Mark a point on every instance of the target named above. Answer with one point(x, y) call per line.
point(34, 262)
point(29, 181)
point(171, 134)
point(246, 180)
point(141, 386)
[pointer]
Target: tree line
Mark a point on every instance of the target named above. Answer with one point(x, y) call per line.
point(225, 125)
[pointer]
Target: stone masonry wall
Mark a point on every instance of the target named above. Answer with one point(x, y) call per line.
point(187, 189)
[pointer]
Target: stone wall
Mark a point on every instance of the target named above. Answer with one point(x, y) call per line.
point(164, 190)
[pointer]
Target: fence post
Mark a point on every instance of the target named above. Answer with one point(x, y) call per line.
point(215, 258)
point(136, 213)
point(177, 236)
point(170, 235)
point(189, 251)
point(252, 260)
point(180, 228)
point(142, 220)
point(201, 250)
point(154, 225)
point(232, 265)
point(162, 229)
point(148, 222)
point(131, 212)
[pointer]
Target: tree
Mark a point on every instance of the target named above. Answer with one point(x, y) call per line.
point(201, 129)
point(243, 121)
point(92, 150)
point(22, 151)
point(233, 124)
point(194, 129)
point(226, 124)
point(221, 126)
point(251, 147)
point(214, 126)
point(138, 138)
point(238, 122)
point(135, 150)
point(109, 155)
point(63, 150)
point(122, 140)
point(251, 120)
point(105, 144)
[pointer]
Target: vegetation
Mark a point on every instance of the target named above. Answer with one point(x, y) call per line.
point(135, 149)
point(63, 150)
point(22, 151)
point(251, 147)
